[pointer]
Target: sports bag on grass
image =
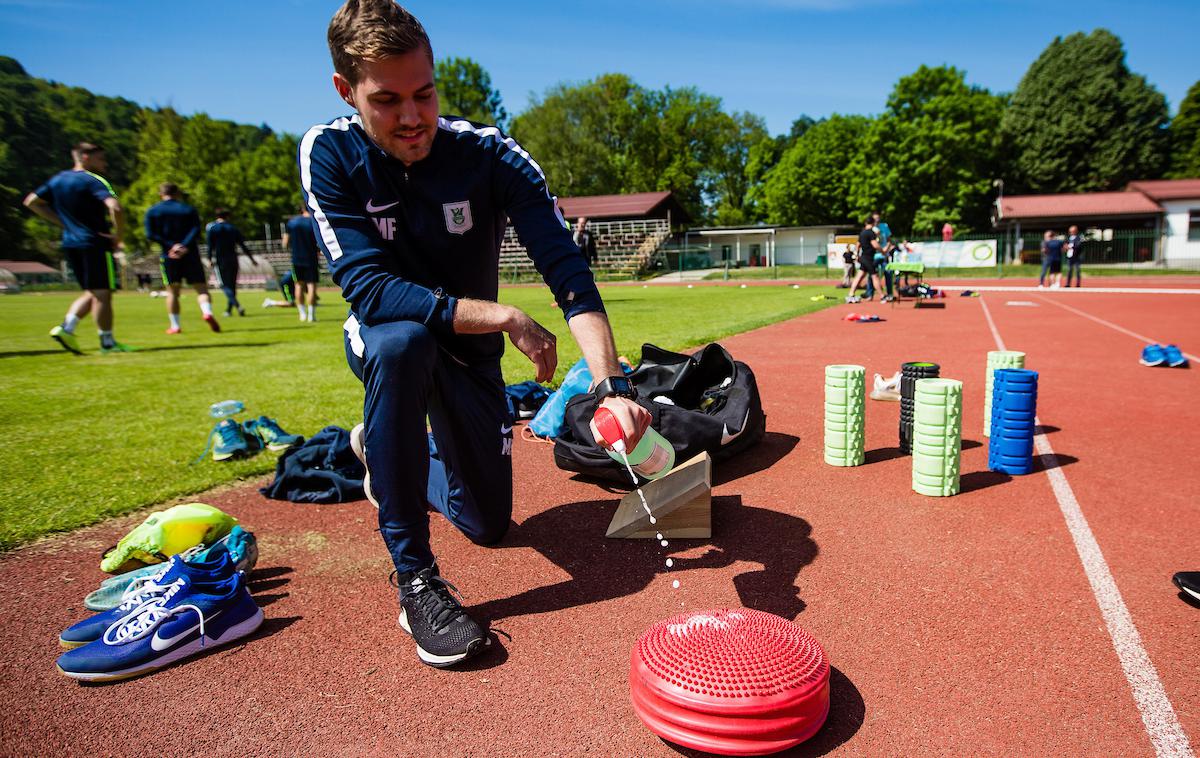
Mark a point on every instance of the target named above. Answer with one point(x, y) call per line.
point(706, 401)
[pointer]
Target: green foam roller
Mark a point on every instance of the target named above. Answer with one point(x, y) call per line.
point(997, 359)
point(845, 410)
point(937, 436)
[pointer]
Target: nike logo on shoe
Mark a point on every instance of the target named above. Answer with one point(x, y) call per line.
point(160, 644)
point(373, 208)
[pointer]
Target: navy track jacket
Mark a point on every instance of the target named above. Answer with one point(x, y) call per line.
point(173, 222)
point(404, 243)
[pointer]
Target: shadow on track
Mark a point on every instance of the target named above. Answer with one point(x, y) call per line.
point(1040, 464)
point(568, 536)
point(973, 481)
point(847, 711)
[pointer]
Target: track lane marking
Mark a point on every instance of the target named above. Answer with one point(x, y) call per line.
point(1144, 339)
point(1075, 290)
point(1158, 716)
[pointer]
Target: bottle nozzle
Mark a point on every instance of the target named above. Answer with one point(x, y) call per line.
point(610, 429)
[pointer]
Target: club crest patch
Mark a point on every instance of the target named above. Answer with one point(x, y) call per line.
point(458, 217)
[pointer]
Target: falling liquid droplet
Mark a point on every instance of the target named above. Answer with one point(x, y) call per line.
point(653, 520)
point(670, 562)
point(658, 536)
point(664, 543)
point(675, 584)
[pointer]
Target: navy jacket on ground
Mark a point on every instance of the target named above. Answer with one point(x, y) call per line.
point(173, 222)
point(323, 469)
point(404, 243)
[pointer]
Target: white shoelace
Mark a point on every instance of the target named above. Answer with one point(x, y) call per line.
point(148, 615)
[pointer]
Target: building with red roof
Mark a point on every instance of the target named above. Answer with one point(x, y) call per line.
point(1165, 211)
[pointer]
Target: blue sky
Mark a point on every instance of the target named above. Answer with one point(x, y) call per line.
point(265, 61)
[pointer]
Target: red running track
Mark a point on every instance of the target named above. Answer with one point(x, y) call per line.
point(955, 626)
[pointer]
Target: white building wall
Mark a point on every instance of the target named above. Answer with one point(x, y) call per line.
point(792, 246)
point(1176, 248)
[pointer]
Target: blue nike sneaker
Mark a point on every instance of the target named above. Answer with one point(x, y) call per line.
point(240, 544)
point(1153, 355)
point(270, 433)
point(1174, 356)
point(145, 590)
point(186, 619)
point(232, 441)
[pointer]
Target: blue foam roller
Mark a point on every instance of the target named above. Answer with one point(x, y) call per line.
point(1013, 422)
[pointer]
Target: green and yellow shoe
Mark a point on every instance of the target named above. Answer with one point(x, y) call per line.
point(117, 347)
point(69, 342)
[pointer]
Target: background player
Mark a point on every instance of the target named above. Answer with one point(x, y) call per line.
point(302, 240)
point(224, 239)
point(85, 206)
point(176, 226)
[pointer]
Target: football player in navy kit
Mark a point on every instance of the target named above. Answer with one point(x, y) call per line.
point(409, 209)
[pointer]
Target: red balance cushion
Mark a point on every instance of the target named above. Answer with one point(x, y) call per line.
point(734, 682)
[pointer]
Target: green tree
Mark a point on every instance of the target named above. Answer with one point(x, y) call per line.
point(465, 89)
point(1185, 137)
point(1080, 120)
point(737, 138)
point(812, 182)
point(931, 156)
point(581, 134)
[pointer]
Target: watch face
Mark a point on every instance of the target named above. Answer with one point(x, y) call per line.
point(621, 384)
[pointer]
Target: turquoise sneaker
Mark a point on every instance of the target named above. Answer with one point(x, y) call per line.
point(239, 543)
point(66, 339)
point(270, 433)
point(232, 442)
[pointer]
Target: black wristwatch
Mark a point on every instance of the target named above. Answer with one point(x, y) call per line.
point(616, 386)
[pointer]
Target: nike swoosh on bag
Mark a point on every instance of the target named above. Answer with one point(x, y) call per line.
point(160, 644)
point(372, 208)
point(505, 429)
point(726, 437)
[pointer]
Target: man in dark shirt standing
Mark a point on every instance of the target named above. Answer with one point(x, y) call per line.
point(1052, 248)
point(868, 245)
point(1074, 253)
point(586, 241)
point(302, 240)
point(410, 209)
point(84, 204)
point(224, 239)
point(176, 226)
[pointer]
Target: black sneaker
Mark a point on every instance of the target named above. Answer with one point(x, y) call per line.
point(1189, 582)
point(444, 633)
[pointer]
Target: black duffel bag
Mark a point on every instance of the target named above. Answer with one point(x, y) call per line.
point(714, 406)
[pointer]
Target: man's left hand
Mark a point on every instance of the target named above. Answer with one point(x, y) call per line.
point(633, 418)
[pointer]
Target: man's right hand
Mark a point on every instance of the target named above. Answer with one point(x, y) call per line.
point(536, 341)
point(177, 251)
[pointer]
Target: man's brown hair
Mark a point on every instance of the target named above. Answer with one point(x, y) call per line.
point(83, 149)
point(170, 189)
point(368, 30)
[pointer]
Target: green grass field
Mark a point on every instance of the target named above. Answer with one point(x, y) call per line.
point(1013, 271)
point(86, 437)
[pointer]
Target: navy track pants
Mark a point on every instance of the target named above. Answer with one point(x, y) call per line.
point(463, 468)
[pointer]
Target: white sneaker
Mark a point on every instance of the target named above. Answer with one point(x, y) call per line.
point(1055, 286)
point(887, 389)
point(358, 443)
point(1041, 286)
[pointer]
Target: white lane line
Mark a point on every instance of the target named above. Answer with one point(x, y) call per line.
point(1075, 290)
point(1162, 725)
point(1143, 338)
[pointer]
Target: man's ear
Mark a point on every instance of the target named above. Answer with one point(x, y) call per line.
point(344, 89)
